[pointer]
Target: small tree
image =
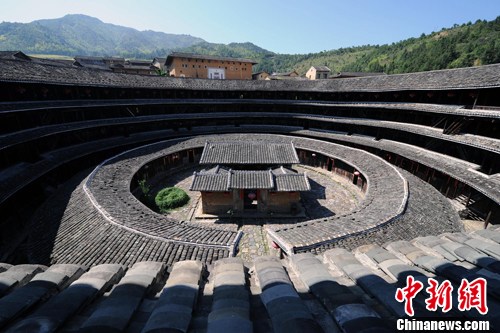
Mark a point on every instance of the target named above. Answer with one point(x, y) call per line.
point(170, 198)
point(145, 188)
point(161, 72)
point(146, 197)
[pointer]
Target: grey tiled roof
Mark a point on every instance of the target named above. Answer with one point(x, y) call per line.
point(462, 78)
point(209, 182)
point(14, 55)
point(292, 182)
point(351, 289)
point(322, 69)
point(219, 179)
point(241, 152)
point(242, 179)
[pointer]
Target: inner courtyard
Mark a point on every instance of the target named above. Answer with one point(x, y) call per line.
point(331, 194)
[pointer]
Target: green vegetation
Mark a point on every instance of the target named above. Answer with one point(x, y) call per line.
point(146, 194)
point(459, 46)
point(161, 72)
point(74, 35)
point(170, 198)
point(234, 50)
point(145, 188)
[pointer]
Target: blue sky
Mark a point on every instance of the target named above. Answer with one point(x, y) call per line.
point(282, 26)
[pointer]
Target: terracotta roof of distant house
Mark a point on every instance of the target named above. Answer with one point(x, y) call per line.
point(204, 57)
point(322, 69)
point(260, 73)
point(285, 74)
point(248, 153)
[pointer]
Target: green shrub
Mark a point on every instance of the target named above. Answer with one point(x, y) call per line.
point(170, 198)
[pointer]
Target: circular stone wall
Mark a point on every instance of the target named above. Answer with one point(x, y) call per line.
point(108, 188)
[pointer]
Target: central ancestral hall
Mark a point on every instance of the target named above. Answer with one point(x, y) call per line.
point(245, 177)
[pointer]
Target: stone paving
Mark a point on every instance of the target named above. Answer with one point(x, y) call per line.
point(253, 243)
point(330, 194)
point(427, 213)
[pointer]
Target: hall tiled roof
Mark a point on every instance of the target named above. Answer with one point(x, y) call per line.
point(249, 179)
point(249, 153)
point(292, 182)
point(209, 182)
point(221, 180)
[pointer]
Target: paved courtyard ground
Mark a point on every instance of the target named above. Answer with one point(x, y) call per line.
point(330, 195)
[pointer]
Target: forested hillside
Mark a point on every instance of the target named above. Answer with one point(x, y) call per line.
point(74, 35)
point(460, 46)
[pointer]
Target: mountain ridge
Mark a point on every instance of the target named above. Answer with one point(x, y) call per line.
point(77, 34)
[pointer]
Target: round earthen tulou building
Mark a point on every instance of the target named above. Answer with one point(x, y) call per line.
point(311, 202)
